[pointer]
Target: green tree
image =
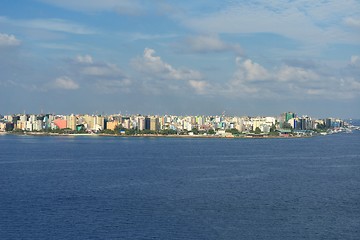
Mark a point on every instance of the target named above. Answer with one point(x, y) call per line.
point(286, 125)
point(273, 128)
point(168, 132)
point(118, 128)
point(257, 130)
point(108, 131)
point(233, 131)
point(274, 133)
point(130, 132)
point(211, 131)
point(195, 131)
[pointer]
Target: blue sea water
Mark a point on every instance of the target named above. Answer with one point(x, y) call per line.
point(174, 188)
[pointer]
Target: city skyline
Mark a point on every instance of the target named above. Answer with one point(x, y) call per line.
point(149, 114)
point(184, 58)
point(167, 124)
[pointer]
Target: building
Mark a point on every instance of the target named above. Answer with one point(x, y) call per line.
point(71, 122)
point(141, 123)
point(154, 124)
point(99, 123)
point(112, 125)
point(147, 123)
point(2, 127)
point(60, 123)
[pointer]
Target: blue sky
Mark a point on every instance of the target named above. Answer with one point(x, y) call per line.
point(190, 57)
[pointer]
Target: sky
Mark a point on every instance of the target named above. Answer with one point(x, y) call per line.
point(237, 57)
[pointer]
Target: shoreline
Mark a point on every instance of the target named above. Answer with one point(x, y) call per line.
point(155, 135)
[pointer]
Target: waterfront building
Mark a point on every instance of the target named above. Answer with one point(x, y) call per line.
point(99, 123)
point(48, 120)
point(37, 125)
point(23, 118)
point(304, 123)
point(126, 123)
point(336, 123)
point(265, 128)
point(147, 123)
point(154, 124)
point(2, 127)
point(60, 123)
point(289, 115)
point(328, 122)
point(71, 122)
point(21, 125)
point(133, 123)
point(292, 122)
point(88, 121)
point(200, 120)
point(286, 117)
point(141, 123)
point(32, 118)
point(188, 126)
point(239, 125)
point(112, 125)
point(29, 126)
point(263, 123)
point(257, 122)
point(8, 118)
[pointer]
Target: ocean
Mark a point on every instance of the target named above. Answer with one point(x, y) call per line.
point(88, 187)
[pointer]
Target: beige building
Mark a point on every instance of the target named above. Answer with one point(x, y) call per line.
point(154, 124)
point(71, 122)
point(112, 125)
point(2, 127)
point(141, 123)
point(88, 121)
point(21, 125)
point(99, 123)
point(126, 123)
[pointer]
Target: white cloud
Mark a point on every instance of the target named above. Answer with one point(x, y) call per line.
point(201, 87)
point(8, 40)
point(251, 80)
point(65, 83)
point(207, 43)
point(86, 59)
point(86, 66)
point(159, 77)
point(247, 70)
point(290, 73)
point(154, 66)
point(102, 76)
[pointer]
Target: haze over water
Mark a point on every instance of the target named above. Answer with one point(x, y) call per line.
point(175, 188)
